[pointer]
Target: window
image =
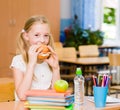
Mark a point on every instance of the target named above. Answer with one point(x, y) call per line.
point(110, 18)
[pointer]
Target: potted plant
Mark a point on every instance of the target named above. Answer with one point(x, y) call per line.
point(76, 36)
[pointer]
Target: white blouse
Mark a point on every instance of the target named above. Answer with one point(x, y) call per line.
point(42, 73)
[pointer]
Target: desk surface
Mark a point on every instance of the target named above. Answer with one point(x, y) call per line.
point(87, 106)
point(6, 80)
point(86, 61)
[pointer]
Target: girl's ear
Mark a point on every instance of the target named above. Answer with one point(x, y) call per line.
point(25, 36)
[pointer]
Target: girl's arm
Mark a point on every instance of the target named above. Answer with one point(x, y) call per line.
point(54, 64)
point(23, 81)
point(56, 76)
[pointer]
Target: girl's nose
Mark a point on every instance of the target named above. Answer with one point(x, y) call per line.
point(41, 39)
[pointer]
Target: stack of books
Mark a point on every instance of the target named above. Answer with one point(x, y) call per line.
point(49, 100)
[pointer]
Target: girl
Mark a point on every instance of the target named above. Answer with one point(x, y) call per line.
point(30, 72)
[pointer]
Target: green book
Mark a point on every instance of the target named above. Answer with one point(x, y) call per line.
point(45, 107)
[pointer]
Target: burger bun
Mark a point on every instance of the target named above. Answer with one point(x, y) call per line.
point(45, 53)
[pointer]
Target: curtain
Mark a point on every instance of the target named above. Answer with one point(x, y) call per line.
point(88, 12)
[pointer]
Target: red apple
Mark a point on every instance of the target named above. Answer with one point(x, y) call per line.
point(61, 85)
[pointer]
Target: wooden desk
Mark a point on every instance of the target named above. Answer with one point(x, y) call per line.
point(104, 50)
point(86, 106)
point(86, 61)
point(109, 47)
point(89, 66)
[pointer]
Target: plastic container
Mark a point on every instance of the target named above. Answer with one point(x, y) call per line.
point(78, 87)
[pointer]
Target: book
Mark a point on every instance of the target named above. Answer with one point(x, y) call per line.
point(46, 98)
point(46, 107)
point(49, 93)
point(52, 103)
point(109, 100)
point(51, 99)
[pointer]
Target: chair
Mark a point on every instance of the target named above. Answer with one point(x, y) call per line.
point(59, 52)
point(114, 66)
point(68, 70)
point(7, 89)
point(66, 52)
point(69, 52)
point(58, 48)
point(88, 51)
point(58, 45)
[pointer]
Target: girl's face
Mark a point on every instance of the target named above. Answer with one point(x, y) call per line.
point(38, 34)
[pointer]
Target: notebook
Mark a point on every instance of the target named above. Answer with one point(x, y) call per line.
point(109, 100)
point(51, 99)
point(47, 93)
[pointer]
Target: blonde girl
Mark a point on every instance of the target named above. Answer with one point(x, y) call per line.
point(30, 72)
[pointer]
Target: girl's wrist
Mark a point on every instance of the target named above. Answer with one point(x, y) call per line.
point(31, 65)
point(56, 68)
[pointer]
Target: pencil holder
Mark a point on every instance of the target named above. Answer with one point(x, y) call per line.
point(100, 95)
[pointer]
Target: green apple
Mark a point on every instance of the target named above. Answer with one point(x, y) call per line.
point(61, 85)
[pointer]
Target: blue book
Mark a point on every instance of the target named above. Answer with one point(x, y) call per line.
point(68, 98)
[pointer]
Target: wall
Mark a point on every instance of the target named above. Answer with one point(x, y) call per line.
point(65, 14)
point(12, 21)
point(51, 9)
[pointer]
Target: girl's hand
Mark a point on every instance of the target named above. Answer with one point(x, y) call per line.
point(33, 53)
point(53, 59)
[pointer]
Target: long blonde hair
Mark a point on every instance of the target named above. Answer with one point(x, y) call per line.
point(22, 45)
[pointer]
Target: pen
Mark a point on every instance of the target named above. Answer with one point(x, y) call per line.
point(94, 80)
point(107, 81)
point(99, 80)
point(103, 78)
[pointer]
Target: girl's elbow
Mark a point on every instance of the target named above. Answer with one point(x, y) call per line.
point(21, 96)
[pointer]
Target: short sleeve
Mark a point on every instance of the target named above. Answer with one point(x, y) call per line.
point(18, 63)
